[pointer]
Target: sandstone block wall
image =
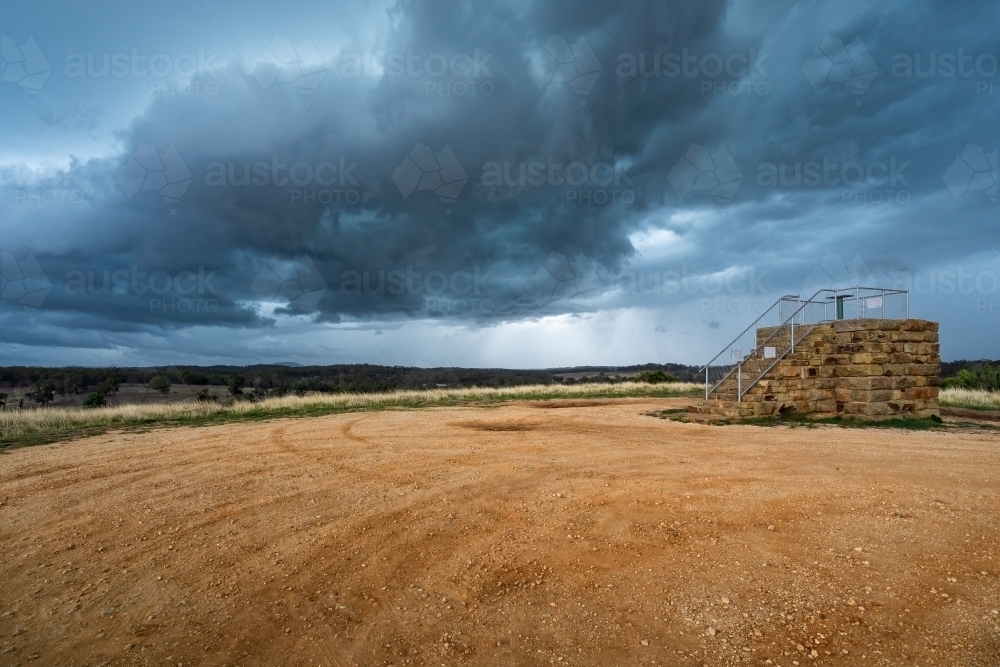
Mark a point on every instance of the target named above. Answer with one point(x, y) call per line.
point(874, 369)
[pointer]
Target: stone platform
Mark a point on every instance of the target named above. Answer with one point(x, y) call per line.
point(863, 368)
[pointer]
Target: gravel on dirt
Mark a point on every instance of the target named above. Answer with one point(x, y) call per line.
point(548, 533)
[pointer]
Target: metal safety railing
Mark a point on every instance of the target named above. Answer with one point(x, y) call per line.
point(727, 361)
point(774, 334)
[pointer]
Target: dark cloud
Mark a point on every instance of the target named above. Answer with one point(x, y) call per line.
point(474, 152)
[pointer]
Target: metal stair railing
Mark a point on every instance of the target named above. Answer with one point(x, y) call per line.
point(795, 320)
point(779, 343)
point(868, 302)
point(717, 370)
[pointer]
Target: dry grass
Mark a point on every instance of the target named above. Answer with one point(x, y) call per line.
point(977, 399)
point(28, 426)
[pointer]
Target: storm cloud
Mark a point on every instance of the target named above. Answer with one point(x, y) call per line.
point(485, 183)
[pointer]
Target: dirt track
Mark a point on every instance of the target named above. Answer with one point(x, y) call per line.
point(588, 534)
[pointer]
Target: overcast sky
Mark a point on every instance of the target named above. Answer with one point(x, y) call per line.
point(517, 184)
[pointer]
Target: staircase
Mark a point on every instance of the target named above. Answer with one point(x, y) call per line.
point(730, 397)
point(745, 392)
point(737, 383)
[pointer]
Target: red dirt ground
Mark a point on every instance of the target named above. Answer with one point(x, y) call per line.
point(588, 534)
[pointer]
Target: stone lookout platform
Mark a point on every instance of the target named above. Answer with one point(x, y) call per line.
point(866, 368)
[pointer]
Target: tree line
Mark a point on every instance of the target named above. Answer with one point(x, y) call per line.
point(973, 375)
point(40, 385)
point(43, 384)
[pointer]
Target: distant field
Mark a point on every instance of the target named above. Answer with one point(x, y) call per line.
point(127, 393)
point(976, 399)
point(23, 427)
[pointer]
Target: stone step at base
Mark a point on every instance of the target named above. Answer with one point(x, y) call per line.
point(704, 418)
point(726, 409)
point(734, 413)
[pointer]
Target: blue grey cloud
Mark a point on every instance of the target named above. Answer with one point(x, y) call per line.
point(488, 167)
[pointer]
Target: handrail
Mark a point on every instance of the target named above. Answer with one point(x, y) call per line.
point(787, 297)
point(791, 344)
